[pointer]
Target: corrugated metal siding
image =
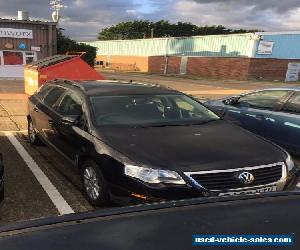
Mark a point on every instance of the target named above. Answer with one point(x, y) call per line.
point(237, 45)
point(149, 47)
point(286, 46)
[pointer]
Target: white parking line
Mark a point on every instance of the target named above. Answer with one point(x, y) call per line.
point(14, 131)
point(60, 203)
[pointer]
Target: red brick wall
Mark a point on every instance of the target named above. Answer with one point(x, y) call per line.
point(219, 67)
point(157, 64)
point(239, 68)
point(174, 65)
point(269, 69)
point(215, 67)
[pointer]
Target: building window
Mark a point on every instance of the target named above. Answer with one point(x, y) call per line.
point(12, 58)
point(29, 57)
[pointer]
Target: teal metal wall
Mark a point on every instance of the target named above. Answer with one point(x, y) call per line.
point(286, 46)
point(237, 45)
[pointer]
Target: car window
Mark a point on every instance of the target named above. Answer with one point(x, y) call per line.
point(293, 105)
point(41, 93)
point(263, 99)
point(53, 95)
point(149, 110)
point(70, 105)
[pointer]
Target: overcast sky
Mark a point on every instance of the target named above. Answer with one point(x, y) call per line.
point(83, 19)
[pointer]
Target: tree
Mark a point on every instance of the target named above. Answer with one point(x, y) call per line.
point(65, 44)
point(138, 29)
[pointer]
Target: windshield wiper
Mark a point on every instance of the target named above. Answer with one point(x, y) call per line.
point(175, 125)
point(207, 121)
point(158, 125)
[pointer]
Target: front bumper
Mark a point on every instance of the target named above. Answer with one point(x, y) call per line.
point(147, 194)
point(137, 192)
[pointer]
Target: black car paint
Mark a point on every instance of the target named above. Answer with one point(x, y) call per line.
point(168, 225)
point(1, 178)
point(185, 148)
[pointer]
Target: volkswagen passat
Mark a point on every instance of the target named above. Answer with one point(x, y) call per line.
point(137, 142)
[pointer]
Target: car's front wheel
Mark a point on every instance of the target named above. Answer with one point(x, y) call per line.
point(94, 184)
point(32, 136)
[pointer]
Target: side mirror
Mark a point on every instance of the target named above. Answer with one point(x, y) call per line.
point(70, 120)
point(232, 101)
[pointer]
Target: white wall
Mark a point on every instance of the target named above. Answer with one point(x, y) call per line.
point(12, 71)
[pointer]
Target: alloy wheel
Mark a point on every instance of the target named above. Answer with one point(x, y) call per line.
point(91, 183)
point(31, 132)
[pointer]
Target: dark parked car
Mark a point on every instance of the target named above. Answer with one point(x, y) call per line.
point(169, 225)
point(137, 142)
point(271, 113)
point(1, 179)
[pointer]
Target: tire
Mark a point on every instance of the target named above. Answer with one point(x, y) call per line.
point(94, 184)
point(32, 135)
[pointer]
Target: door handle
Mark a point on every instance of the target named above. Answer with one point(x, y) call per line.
point(260, 117)
point(51, 122)
point(35, 109)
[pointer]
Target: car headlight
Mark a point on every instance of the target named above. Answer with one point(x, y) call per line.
point(289, 163)
point(153, 176)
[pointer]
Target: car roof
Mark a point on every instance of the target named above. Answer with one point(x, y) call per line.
point(107, 87)
point(291, 88)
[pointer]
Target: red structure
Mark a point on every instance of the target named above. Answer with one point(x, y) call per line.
point(59, 66)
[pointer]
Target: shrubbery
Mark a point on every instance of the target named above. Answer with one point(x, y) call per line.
point(66, 44)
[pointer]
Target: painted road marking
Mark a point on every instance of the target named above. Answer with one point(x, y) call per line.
point(59, 202)
point(14, 131)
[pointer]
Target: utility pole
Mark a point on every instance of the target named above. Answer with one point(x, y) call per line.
point(166, 56)
point(152, 32)
point(55, 5)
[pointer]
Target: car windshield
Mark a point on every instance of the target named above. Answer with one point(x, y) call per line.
point(149, 110)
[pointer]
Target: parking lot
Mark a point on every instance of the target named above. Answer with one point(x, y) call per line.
point(41, 184)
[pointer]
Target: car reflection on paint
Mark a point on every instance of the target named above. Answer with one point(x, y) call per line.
point(271, 113)
point(143, 143)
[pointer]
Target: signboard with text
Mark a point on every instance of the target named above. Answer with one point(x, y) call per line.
point(16, 33)
point(292, 74)
point(265, 48)
point(37, 49)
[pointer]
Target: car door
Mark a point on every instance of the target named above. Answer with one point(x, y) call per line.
point(35, 103)
point(71, 127)
point(48, 115)
point(285, 126)
point(252, 111)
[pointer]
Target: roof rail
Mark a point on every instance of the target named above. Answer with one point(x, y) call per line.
point(149, 84)
point(71, 82)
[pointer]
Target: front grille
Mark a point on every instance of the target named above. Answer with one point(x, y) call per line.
point(229, 179)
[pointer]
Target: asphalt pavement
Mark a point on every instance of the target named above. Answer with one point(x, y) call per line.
point(38, 182)
point(25, 196)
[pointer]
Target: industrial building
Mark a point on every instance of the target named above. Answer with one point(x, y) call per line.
point(23, 41)
point(262, 55)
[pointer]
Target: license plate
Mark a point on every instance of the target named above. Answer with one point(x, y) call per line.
point(252, 191)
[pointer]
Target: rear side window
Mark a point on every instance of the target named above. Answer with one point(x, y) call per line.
point(293, 104)
point(53, 95)
point(264, 99)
